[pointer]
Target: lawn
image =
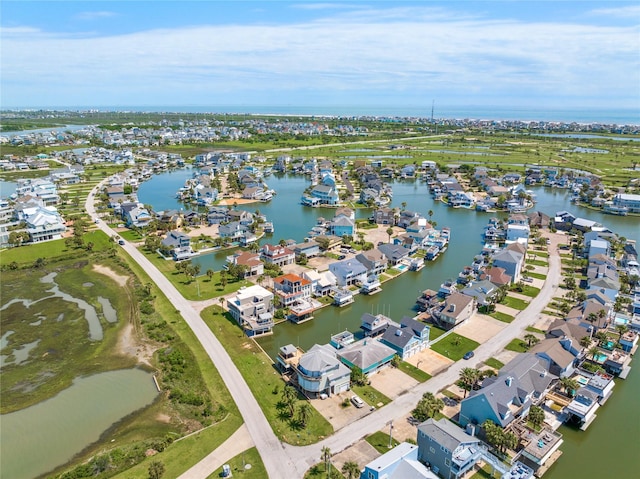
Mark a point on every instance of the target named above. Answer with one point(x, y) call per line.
point(237, 464)
point(435, 332)
point(412, 371)
point(531, 329)
point(370, 395)
point(504, 317)
point(380, 441)
point(194, 289)
point(537, 275)
point(537, 262)
point(530, 291)
point(264, 381)
point(56, 249)
point(454, 346)
point(517, 345)
point(494, 363)
point(515, 303)
point(318, 471)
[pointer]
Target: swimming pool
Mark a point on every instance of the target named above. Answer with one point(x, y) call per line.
point(600, 357)
point(401, 267)
point(583, 381)
point(621, 321)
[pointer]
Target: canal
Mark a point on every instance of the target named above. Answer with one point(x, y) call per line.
point(607, 449)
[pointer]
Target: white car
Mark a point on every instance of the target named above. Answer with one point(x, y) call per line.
point(357, 402)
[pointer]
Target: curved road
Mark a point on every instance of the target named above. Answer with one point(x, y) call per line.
point(286, 461)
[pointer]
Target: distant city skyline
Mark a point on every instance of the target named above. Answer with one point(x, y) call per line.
point(376, 54)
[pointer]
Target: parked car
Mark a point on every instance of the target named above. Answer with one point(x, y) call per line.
point(120, 241)
point(468, 355)
point(357, 402)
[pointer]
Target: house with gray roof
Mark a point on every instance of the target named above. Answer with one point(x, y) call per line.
point(348, 272)
point(373, 260)
point(370, 355)
point(512, 261)
point(407, 339)
point(447, 449)
point(320, 372)
point(482, 291)
point(178, 244)
point(455, 309)
point(394, 253)
point(519, 384)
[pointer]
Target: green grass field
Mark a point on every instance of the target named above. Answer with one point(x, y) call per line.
point(515, 303)
point(504, 317)
point(454, 346)
point(494, 363)
point(410, 370)
point(537, 275)
point(380, 441)
point(517, 345)
point(370, 395)
point(238, 463)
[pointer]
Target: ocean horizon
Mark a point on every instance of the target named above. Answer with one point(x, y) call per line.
point(619, 116)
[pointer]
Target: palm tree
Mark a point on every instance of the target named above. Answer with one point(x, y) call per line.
point(585, 342)
point(304, 412)
point(351, 470)
point(569, 385)
point(536, 416)
point(530, 338)
point(593, 351)
point(289, 397)
point(210, 274)
point(468, 379)
point(430, 213)
point(621, 328)
point(326, 457)
point(389, 232)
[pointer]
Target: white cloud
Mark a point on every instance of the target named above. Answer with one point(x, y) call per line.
point(630, 11)
point(94, 15)
point(383, 55)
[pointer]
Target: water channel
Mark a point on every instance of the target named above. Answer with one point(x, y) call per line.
point(605, 450)
point(41, 437)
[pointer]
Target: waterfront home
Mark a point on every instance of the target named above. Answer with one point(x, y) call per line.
point(217, 215)
point(170, 219)
point(342, 339)
point(483, 291)
point(277, 255)
point(177, 244)
point(43, 223)
point(310, 249)
point(384, 216)
point(320, 372)
point(253, 267)
point(294, 292)
point(342, 226)
point(231, 231)
point(369, 355)
point(138, 217)
point(447, 449)
point(582, 408)
point(348, 272)
point(520, 383)
point(591, 313)
point(597, 247)
point(511, 259)
point(516, 232)
point(427, 299)
point(409, 338)
point(608, 286)
point(394, 254)
point(628, 341)
point(341, 296)
point(496, 275)
point(629, 201)
point(407, 217)
point(560, 353)
point(536, 218)
point(371, 284)
point(373, 260)
point(375, 325)
point(454, 310)
point(321, 282)
point(288, 357)
point(326, 195)
point(252, 308)
point(401, 462)
point(537, 449)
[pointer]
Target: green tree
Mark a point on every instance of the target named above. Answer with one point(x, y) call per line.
point(570, 386)
point(351, 470)
point(389, 233)
point(469, 377)
point(530, 339)
point(210, 274)
point(326, 457)
point(223, 279)
point(302, 259)
point(358, 377)
point(585, 341)
point(304, 413)
point(427, 407)
point(156, 470)
point(289, 398)
point(536, 416)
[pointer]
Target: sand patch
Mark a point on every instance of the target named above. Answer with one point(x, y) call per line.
point(240, 201)
point(129, 345)
point(118, 278)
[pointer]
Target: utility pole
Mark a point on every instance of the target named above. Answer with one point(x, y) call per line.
point(390, 431)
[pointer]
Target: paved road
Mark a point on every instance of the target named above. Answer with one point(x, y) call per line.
point(286, 461)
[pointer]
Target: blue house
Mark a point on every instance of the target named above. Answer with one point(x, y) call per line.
point(399, 463)
point(342, 226)
point(327, 195)
point(348, 272)
point(411, 337)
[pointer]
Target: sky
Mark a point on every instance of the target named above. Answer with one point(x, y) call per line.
point(564, 54)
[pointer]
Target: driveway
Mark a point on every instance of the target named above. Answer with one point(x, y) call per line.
point(333, 411)
point(361, 453)
point(392, 382)
point(430, 361)
point(480, 327)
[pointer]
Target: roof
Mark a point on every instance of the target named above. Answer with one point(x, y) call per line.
point(554, 351)
point(497, 275)
point(320, 358)
point(446, 433)
point(291, 278)
point(459, 302)
point(247, 258)
point(366, 353)
point(398, 336)
point(406, 467)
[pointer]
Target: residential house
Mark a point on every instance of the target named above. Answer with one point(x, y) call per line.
point(511, 259)
point(369, 355)
point(454, 310)
point(342, 226)
point(561, 353)
point(310, 249)
point(375, 325)
point(497, 276)
point(252, 308)
point(320, 372)
point(384, 216)
point(447, 449)
point(232, 231)
point(401, 462)
point(519, 384)
point(348, 272)
point(251, 261)
point(138, 217)
point(517, 231)
point(322, 283)
point(178, 244)
point(483, 291)
point(591, 313)
point(294, 292)
point(43, 223)
point(326, 195)
point(373, 260)
point(394, 253)
point(629, 201)
point(277, 255)
point(411, 337)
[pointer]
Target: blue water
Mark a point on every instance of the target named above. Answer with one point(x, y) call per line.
point(579, 115)
point(43, 130)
